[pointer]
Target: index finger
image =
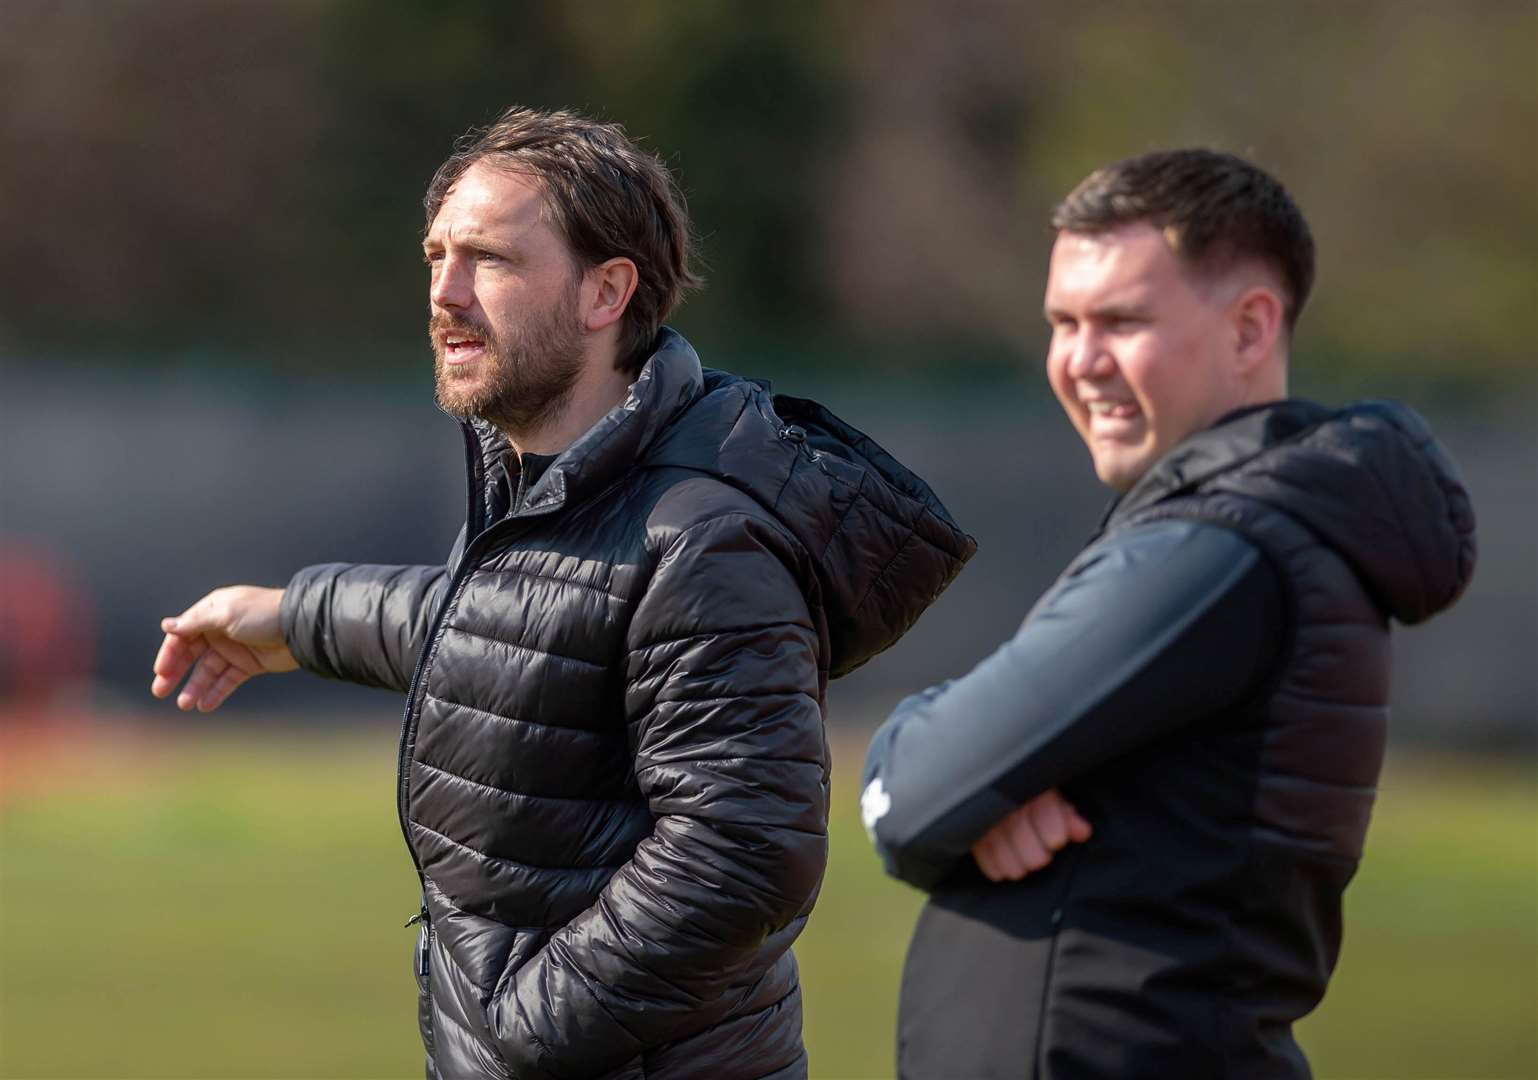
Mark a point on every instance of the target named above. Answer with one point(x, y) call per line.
point(208, 613)
point(176, 656)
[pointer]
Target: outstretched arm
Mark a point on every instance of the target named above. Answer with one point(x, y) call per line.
point(362, 623)
point(1148, 630)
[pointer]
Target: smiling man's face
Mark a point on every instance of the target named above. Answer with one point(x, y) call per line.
point(1141, 351)
point(505, 333)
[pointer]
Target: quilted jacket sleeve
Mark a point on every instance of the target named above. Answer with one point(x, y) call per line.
point(1148, 631)
point(723, 702)
point(361, 623)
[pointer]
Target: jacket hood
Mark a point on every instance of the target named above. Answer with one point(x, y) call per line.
point(883, 545)
point(666, 386)
point(1369, 479)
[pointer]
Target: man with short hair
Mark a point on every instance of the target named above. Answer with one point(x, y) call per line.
point(1136, 818)
point(613, 773)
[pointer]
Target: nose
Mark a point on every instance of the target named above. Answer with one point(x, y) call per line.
point(453, 283)
point(1087, 356)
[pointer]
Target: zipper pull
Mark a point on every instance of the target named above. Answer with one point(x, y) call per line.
point(795, 434)
point(420, 916)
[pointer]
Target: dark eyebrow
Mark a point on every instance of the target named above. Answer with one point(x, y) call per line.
point(1120, 311)
point(1109, 313)
point(508, 250)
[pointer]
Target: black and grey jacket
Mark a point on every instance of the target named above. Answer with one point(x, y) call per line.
point(613, 771)
point(1208, 683)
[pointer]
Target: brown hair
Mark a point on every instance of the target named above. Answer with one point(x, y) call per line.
point(1215, 208)
point(608, 198)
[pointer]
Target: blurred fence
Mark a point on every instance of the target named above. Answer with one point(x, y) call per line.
point(147, 489)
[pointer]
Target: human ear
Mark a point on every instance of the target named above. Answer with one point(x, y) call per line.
point(612, 283)
point(1257, 315)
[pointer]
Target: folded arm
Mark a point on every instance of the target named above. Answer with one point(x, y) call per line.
point(1153, 628)
point(722, 698)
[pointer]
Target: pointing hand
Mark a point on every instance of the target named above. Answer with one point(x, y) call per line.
point(225, 638)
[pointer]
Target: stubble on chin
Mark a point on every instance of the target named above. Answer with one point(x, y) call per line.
point(519, 386)
point(461, 390)
point(465, 391)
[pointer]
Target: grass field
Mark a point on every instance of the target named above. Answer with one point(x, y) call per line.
point(231, 906)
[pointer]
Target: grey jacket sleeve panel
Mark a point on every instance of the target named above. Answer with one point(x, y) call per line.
point(361, 623)
point(722, 697)
point(1152, 628)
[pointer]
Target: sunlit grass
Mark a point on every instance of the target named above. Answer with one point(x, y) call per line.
point(232, 906)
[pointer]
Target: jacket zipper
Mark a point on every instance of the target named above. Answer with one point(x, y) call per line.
point(475, 543)
point(408, 724)
point(474, 530)
point(1063, 897)
point(424, 940)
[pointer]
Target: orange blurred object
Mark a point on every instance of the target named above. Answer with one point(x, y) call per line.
point(47, 626)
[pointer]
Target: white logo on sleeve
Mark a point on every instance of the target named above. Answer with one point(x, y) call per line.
point(874, 803)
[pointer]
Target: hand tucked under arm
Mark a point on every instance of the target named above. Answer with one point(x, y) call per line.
point(1025, 840)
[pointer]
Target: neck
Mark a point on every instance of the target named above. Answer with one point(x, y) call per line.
point(1273, 388)
point(1265, 385)
point(598, 388)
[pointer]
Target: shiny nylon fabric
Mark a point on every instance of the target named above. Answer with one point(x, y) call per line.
point(614, 772)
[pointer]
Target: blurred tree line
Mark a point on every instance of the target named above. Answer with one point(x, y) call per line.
point(871, 181)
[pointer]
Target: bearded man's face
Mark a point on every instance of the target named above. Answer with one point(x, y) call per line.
point(516, 379)
point(506, 338)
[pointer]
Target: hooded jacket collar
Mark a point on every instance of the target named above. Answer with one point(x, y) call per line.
point(1369, 479)
point(882, 543)
point(669, 382)
point(1233, 440)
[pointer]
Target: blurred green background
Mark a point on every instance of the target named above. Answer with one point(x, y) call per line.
point(871, 181)
point(212, 369)
point(231, 906)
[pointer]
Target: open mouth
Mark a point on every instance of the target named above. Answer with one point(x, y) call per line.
point(1111, 410)
point(461, 348)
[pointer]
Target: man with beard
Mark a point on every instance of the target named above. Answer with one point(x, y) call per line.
point(613, 773)
point(1206, 684)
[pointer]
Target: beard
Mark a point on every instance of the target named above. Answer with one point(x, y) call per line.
point(523, 380)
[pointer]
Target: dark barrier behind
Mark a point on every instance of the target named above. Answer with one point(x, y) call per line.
point(148, 490)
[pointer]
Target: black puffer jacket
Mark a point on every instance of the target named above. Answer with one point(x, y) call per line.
point(614, 776)
point(1208, 683)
